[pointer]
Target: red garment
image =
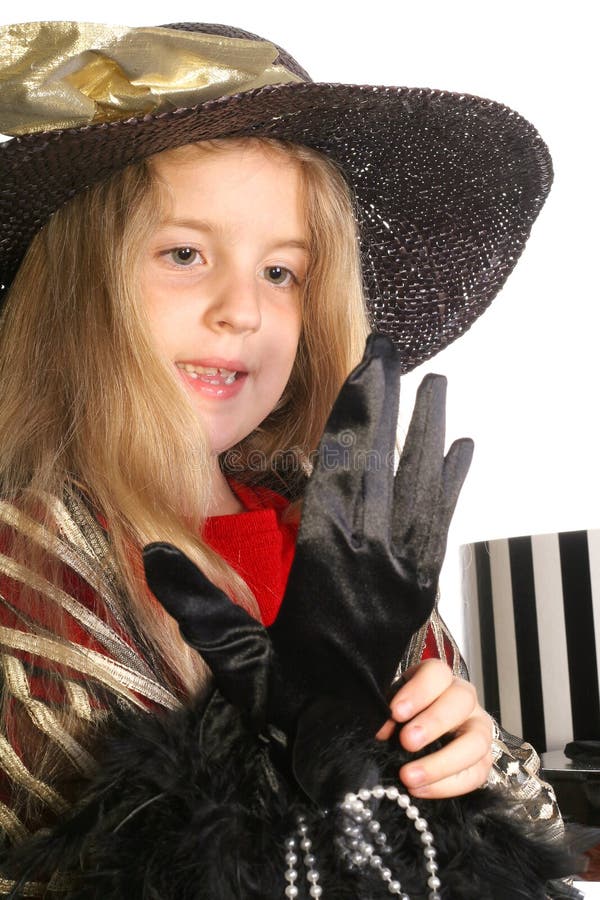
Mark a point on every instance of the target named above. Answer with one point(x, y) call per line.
point(257, 544)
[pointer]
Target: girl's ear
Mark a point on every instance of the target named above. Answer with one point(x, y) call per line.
point(236, 647)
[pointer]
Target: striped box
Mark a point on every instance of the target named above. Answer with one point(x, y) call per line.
point(532, 629)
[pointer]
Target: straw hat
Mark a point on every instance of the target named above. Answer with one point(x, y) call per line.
point(447, 185)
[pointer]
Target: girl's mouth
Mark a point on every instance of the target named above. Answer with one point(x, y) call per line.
point(208, 374)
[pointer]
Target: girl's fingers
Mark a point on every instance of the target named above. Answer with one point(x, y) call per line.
point(461, 766)
point(386, 731)
point(447, 714)
point(434, 703)
point(423, 685)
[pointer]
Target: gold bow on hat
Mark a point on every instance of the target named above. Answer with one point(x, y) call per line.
point(69, 74)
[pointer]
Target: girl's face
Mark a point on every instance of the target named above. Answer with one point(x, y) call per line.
point(221, 281)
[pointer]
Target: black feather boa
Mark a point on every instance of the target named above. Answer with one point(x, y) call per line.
point(188, 806)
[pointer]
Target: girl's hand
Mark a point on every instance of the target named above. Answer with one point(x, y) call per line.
point(434, 703)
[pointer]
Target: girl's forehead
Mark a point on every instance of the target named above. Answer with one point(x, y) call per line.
point(229, 188)
point(216, 171)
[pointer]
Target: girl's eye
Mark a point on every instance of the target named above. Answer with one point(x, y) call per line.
point(279, 275)
point(184, 256)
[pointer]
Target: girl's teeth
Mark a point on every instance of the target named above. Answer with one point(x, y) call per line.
point(199, 370)
point(205, 373)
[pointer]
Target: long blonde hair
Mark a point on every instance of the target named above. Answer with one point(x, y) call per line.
point(87, 401)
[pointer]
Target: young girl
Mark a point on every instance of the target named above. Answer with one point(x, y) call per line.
point(184, 294)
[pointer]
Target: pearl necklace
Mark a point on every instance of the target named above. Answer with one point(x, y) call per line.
point(359, 842)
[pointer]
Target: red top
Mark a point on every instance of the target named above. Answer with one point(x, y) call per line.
point(257, 544)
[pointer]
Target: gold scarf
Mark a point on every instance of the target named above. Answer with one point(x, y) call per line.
point(56, 75)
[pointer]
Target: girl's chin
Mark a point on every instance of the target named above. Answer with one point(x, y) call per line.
point(221, 443)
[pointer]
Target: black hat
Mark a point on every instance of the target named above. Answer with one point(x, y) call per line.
point(447, 186)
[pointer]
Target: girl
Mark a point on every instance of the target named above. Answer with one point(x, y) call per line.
point(183, 298)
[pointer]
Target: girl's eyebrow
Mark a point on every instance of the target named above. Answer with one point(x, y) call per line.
point(292, 242)
point(194, 224)
point(203, 225)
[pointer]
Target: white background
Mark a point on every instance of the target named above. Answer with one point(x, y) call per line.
point(523, 381)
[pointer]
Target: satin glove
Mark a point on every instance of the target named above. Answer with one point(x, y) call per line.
point(364, 578)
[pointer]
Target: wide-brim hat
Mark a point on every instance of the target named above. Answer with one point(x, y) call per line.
point(447, 186)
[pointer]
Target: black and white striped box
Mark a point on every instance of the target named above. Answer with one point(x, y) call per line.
point(532, 633)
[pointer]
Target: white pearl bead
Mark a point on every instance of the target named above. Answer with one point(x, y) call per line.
point(291, 891)
point(316, 890)
point(312, 877)
point(355, 846)
point(291, 875)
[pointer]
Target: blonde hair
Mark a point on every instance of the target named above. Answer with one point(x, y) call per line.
point(87, 402)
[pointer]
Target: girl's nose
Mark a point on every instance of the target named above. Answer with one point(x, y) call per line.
point(235, 306)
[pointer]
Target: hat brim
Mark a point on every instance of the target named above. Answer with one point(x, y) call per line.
point(447, 187)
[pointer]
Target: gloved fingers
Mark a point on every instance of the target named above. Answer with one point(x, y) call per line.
point(455, 468)
point(378, 456)
point(359, 424)
point(418, 479)
point(235, 646)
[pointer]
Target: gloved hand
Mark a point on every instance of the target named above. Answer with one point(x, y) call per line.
point(364, 576)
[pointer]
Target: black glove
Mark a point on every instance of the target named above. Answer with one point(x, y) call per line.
point(364, 576)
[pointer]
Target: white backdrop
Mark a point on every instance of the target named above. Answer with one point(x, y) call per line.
point(522, 381)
